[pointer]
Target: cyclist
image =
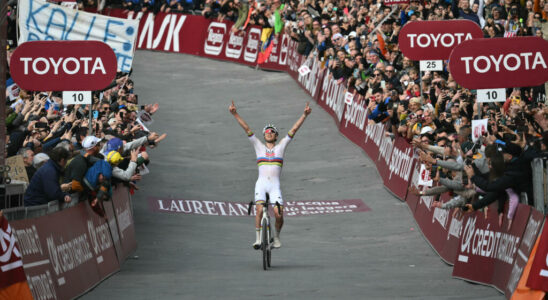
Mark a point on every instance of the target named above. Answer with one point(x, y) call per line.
point(269, 161)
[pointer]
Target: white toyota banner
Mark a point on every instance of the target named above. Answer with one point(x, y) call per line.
point(40, 20)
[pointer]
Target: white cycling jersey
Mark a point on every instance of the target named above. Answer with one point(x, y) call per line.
point(269, 162)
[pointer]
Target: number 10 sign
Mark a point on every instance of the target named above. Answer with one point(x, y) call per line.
point(492, 95)
point(82, 97)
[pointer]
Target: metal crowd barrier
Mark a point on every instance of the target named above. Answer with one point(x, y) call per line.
point(24, 212)
point(13, 195)
point(540, 184)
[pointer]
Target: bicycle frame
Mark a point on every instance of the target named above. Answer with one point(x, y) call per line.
point(266, 231)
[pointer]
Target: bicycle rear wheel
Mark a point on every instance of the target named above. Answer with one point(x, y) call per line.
point(264, 244)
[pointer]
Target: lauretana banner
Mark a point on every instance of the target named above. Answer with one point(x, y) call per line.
point(481, 250)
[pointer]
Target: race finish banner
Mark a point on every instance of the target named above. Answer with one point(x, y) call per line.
point(39, 20)
point(238, 209)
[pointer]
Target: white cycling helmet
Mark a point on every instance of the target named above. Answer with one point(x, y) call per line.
point(270, 126)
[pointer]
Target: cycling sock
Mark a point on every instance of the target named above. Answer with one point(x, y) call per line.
point(258, 233)
point(277, 233)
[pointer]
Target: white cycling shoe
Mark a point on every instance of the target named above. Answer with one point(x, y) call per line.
point(257, 244)
point(277, 243)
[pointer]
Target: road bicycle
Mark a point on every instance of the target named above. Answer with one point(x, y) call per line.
point(267, 239)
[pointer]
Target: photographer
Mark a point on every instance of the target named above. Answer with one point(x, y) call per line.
point(514, 22)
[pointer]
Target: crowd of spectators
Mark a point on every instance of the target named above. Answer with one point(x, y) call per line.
point(71, 155)
point(357, 41)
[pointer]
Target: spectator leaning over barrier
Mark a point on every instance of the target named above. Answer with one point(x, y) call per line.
point(76, 169)
point(44, 186)
point(97, 185)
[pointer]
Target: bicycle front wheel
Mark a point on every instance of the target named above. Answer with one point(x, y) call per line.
point(264, 244)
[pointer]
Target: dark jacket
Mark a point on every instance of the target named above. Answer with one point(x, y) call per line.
point(458, 12)
point(518, 176)
point(44, 185)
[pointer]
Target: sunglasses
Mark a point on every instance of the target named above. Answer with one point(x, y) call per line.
point(376, 75)
point(270, 131)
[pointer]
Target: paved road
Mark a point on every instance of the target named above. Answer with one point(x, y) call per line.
point(377, 254)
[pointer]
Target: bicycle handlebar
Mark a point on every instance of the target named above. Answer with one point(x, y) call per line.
point(251, 203)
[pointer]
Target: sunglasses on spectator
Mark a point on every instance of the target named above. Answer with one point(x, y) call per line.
point(389, 71)
point(376, 74)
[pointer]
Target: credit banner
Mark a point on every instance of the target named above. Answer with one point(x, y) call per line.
point(238, 209)
point(61, 264)
point(39, 21)
point(487, 251)
point(70, 251)
point(534, 224)
point(538, 277)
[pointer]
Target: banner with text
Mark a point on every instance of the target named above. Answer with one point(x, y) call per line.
point(43, 21)
point(487, 251)
point(68, 252)
point(238, 209)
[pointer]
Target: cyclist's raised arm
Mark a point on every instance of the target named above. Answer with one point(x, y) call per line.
point(297, 125)
point(232, 109)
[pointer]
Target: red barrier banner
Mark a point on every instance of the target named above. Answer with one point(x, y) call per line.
point(528, 241)
point(354, 121)
point(279, 57)
point(70, 251)
point(413, 200)
point(167, 32)
point(312, 81)
point(11, 263)
point(31, 236)
point(68, 259)
point(486, 251)
point(441, 227)
point(395, 164)
point(124, 218)
point(538, 277)
point(373, 136)
point(331, 97)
